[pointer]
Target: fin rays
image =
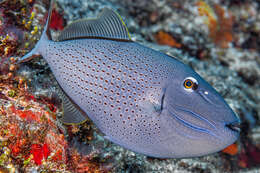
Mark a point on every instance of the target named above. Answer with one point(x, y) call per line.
point(108, 25)
point(72, 114)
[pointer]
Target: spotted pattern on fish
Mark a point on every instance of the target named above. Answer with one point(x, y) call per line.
point(110, 81)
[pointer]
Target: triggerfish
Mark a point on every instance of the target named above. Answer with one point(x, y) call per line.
point(141, 99)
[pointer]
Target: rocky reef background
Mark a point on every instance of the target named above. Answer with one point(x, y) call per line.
point(217, 38)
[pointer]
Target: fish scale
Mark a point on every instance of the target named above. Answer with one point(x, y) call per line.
point(105, 84)
point(141, 99)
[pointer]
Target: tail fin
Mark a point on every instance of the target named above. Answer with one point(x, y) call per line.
point(46, 36)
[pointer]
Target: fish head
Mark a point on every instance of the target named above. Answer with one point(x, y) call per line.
point(196, 115)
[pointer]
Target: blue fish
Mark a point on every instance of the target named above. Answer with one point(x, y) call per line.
point(141, 99)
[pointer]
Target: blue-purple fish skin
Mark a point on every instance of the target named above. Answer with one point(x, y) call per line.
point(135, 96)
point(111, 81)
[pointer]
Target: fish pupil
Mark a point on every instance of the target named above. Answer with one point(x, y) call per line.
point(188, 84)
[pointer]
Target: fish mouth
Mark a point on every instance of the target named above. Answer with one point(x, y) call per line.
point(234, 126)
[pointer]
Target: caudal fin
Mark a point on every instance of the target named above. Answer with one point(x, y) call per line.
point(46, 36)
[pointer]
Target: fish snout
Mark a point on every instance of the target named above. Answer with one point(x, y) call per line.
point(211, 98)
point(217, 106)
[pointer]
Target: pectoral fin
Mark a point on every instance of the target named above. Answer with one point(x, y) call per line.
point(72, 114)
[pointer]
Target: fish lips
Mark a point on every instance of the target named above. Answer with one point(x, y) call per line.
point(234, 126)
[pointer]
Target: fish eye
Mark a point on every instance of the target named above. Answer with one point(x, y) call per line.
point(190, 84)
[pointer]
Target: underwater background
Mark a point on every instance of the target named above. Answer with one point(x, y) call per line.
point(219, 39)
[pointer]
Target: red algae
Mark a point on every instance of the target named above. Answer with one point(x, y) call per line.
point(219, 21)
point(39, 152)
point(57, 22)
point(28, 115)
point(165, 38)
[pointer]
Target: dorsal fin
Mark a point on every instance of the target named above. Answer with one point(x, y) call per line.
point(109, 25)
point(72, 114)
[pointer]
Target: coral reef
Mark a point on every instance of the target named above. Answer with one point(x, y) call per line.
point(219, 39)
point(219, 21)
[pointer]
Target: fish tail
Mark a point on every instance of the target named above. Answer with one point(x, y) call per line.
point(45, 37)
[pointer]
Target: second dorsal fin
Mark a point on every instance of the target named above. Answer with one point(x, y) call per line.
point(108, 25)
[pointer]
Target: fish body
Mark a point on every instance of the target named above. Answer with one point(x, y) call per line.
point(139, 98)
